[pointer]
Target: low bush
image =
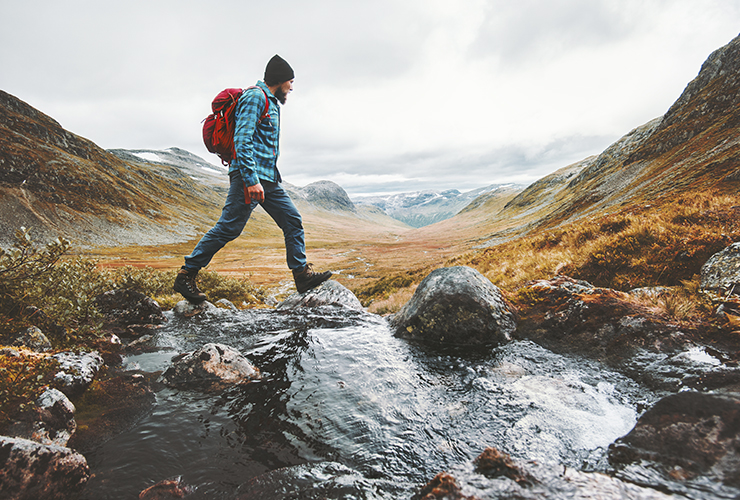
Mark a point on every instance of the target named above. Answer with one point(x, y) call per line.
point(23, 378)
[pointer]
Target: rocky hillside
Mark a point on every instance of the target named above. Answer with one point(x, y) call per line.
point(194, 166)
point(695, 146)
point(60, 184)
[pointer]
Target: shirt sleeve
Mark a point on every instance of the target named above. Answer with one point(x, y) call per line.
point(248, 112)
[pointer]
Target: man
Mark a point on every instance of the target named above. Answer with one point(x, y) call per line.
point(254, 179)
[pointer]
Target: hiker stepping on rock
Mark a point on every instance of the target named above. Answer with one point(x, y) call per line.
point(254, 179)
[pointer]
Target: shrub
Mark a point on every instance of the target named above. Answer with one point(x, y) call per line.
point(235, 290)
point(25, 271)
point(22, 380)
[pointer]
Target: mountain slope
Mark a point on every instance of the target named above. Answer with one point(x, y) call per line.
point(695, 146)
point(58, 183)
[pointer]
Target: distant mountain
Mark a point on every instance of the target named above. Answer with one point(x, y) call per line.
point(323, 194)
point(194, 166)
point(422, 208)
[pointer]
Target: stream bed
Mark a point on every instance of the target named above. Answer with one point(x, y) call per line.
point(341, 400)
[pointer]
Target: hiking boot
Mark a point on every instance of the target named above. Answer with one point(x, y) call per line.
point(305, 279)
point(186, 286)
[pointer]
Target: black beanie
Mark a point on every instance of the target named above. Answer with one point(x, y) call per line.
point(278, 71)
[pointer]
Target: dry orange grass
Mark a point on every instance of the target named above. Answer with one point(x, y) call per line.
point(645, 245)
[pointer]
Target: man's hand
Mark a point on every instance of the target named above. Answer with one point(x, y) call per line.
point(256, 192)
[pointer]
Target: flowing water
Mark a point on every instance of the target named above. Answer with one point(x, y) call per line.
point(341, 397)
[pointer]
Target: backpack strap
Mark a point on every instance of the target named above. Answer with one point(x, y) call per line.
point(265, 113)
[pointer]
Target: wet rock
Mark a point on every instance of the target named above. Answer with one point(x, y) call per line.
point(322, 480)
point(32, 338)
point(568, 315)
point(77, 370)
point(51, 421)
point(110, 407)
point(33, 471)
point(329, 293)
point(167, 489)
point(494, 463)
point(456, 305)
point(694, 367)
point(531, 481)
point(187, 309)
point(226, 304)
point(128, 312)
point(213, 365)
point(685, 436)
point(721, 273)
point(442, 486)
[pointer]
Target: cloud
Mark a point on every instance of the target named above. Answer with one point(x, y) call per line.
point(390, 94)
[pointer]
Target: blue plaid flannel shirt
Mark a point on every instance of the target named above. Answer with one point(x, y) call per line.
point(257, 144)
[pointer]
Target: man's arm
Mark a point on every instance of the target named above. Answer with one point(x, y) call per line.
point(248, 111)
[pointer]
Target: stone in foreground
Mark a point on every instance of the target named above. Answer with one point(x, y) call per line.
point(456, 305)
point(685, 436)
point(213, 365)
point(329, 293)
point(33, 471)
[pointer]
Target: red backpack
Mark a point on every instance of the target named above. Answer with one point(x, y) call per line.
point(218, 127)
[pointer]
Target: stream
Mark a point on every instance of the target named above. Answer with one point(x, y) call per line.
point(341, 399)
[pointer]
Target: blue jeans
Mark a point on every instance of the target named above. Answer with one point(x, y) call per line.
point(235, 215)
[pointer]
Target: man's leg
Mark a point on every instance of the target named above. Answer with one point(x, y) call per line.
point(234, 217)
point(282, 210)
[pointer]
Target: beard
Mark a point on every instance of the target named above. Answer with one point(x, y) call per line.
point(281, 96)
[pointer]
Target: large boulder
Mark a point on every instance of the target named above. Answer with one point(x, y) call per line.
point(684, 436)
point(456, 305)
point(721, 272)
point(211, 366)
point(32, 471)
point(329, 293)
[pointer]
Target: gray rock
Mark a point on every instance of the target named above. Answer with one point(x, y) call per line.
point(226, 304)
point(212, 366)
point(456, 305)
point(34, 339)
point(509, 478)
point(187, 309)
point(329, 293)
point(682, 437)
point(77, 370)
point(722, 271)
point(52, 422)
point(33, 471)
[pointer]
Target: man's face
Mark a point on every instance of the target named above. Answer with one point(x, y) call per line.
point(283, 90)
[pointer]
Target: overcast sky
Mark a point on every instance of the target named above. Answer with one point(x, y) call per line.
point(390, 95)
